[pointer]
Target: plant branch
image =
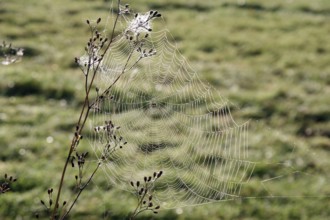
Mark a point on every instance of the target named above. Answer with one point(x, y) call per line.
point(80, 190)
point(80, 126)
point(135, 213)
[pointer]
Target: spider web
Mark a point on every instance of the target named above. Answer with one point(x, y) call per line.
point(172, 122)
point(176, 123)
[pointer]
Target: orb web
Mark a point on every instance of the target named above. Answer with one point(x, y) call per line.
point(171, 121)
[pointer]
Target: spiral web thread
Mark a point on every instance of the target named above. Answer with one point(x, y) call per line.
point(172, 122)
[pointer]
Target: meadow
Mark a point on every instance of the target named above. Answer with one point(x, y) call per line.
point(270, 59)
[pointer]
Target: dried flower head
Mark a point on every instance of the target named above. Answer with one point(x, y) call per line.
point(143, 192)
point(10, 54)
point(142, 23)
point(5, 185)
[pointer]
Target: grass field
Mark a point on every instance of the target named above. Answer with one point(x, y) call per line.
point(270, 59)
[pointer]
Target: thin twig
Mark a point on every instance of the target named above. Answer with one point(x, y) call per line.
point(80, 191)
point(138, 206)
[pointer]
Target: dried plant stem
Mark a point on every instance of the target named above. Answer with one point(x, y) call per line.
point(92, 50)
point(80, 190)
point(136, 212)
point(81, 123)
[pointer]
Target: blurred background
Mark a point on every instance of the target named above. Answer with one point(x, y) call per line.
point(269, 58)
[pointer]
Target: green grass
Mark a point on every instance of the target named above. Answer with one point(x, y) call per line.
point(269, 58)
